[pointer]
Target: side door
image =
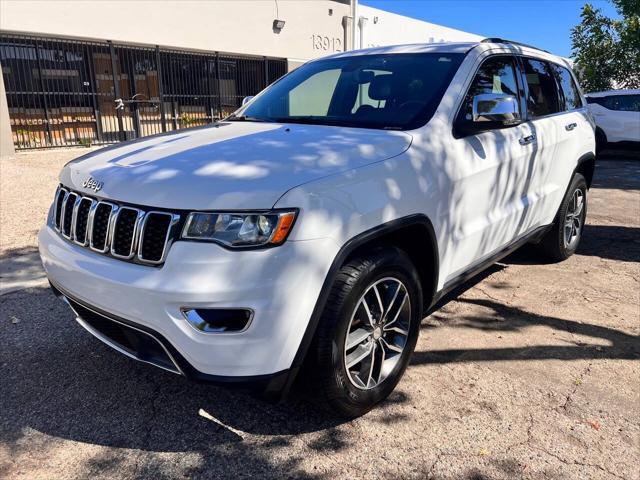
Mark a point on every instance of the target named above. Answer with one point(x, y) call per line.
point(546, 120)
point(489, 171)
point(575, 138)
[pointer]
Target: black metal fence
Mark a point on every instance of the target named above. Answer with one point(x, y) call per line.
point(71, 92)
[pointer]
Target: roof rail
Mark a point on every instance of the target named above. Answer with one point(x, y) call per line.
point(502, 40)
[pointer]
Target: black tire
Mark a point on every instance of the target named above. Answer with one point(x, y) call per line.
point(554, 245)
point(331, 383)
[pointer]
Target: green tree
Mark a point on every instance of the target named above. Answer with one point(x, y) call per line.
point(607, 51)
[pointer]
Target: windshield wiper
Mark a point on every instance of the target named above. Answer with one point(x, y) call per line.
point(305, 119)
point(333, 122)
point(244, 118)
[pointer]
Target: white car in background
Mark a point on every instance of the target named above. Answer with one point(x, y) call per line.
point(617, 116)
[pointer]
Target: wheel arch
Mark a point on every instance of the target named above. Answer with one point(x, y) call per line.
point(586, 166)
point(414, 234)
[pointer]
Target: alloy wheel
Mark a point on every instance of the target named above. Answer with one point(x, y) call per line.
point(573, 219)
point(377, 333)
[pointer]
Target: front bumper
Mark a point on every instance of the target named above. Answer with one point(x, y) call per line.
point(281, 285)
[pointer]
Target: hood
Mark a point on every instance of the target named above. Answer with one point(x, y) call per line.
point(231, 165)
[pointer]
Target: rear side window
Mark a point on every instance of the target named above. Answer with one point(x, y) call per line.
point(496, 75)
point(570, 93)
point(628, 103)
point(542, 98)
point(621, 103)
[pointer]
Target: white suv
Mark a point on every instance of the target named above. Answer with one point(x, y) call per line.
point(312, 230)
point(617, 116)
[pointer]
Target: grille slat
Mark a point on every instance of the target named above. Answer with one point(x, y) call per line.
point(67, 213)
point(59, 203)
point(100, 227)
point(82, 221)
point(155, 234)
point(124, 232)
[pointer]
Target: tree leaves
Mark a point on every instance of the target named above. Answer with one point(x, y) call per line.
point(607, 51)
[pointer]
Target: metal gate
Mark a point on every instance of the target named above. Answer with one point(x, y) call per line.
point(68, 92)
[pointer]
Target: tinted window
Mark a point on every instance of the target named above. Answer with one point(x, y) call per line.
point(570, 92)
point(496, 75)
point(542, 98)
point(398, 91)
point(621, 103)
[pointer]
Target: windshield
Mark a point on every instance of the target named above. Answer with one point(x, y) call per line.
point(393, 91)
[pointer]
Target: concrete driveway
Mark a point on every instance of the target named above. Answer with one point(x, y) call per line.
point(530, 371)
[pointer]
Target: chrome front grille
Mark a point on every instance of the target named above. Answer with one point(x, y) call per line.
point(121, 231)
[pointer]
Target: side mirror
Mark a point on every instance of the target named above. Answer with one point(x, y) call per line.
point(495, 108)
point(246, 100)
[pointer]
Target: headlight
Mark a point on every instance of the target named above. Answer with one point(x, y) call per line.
point(239, 229)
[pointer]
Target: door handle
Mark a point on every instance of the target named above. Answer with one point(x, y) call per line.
point(570, 126)
point(527, 140)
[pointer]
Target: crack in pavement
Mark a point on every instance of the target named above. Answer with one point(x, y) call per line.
point(578, 382)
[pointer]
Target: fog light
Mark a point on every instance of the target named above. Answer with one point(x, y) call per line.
point(218, 320)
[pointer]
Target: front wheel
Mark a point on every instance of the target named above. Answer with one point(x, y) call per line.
point(367, 332)
point(564, 237)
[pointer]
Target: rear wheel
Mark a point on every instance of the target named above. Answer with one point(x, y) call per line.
point(564, 237)
point(367, 332)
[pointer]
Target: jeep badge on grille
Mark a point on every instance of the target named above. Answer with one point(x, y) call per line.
point(92, 184)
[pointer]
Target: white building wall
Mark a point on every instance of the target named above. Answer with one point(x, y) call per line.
point(385, 28)
point(235, 26)
point(313, 28)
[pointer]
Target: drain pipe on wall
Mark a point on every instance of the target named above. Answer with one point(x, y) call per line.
point(361, 23)
point(354, 23)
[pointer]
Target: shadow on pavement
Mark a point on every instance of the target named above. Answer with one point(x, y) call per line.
point(611, 242)
point(20, 268)
point(57, 379)
point(613, 173)
point(509, 319)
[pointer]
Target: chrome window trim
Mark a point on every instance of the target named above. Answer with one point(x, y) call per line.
point(168, 239)
point(64, 215)
point(106, 240)
point(85, 240)
point(134, 239)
